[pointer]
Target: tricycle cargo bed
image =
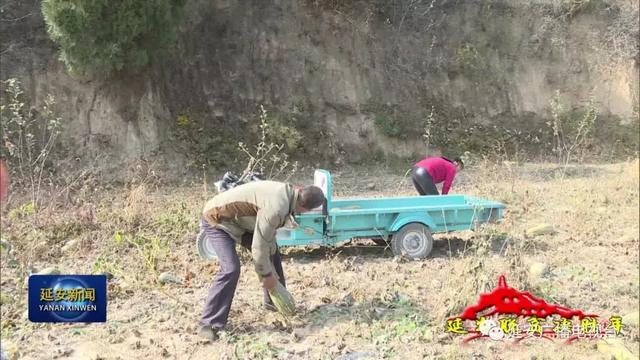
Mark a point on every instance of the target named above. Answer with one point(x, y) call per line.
point(416, 216)
point(412, 203)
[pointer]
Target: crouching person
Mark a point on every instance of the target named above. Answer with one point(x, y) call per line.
point(248, 215)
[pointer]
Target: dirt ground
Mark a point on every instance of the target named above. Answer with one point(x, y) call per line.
point(356, 301)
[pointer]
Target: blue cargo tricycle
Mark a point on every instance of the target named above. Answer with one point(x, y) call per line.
point(406, 223)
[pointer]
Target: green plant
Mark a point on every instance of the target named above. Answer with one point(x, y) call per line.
point(174, 222)
point(151, 249)
point(388, 125)
point(251, 348)
point(182, 120)
point(571, 130)
point(411, 327)
point(469, 59)
point(102, 36)
point(268, 156)
point(28, 137)
point(393, 120)
point(27, 209)
point(281, 133)
point(208, 142)
point(106, 264)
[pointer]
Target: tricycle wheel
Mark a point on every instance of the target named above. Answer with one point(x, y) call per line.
point(413, 241)
point(204, 248)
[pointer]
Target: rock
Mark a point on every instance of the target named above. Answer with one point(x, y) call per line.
point(168, 278)
point(542, 229)
point(64, 352)
point(52, 270)
point(538, 270)
point(358, 355)
point(69, 245)
point(615, 349)
point(347, 299)
point(631, 319)
point(337, 348)
point(378, 312)
point(370, 186)
point(116, 339)
point(303, 350)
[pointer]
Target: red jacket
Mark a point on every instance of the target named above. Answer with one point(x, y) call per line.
point(4, 180)
point(440, 170)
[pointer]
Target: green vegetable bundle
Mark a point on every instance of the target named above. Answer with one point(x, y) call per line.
point(283, 300)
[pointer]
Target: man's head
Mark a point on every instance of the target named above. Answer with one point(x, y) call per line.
point(310, 197)
point(459, 164)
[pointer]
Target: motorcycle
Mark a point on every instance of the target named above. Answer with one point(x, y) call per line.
point(230, 180)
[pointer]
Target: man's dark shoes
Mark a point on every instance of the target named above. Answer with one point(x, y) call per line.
point(208, 332)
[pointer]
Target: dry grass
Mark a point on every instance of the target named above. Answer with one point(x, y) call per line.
point(352, 299)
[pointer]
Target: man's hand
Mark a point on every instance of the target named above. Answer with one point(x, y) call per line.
point(269, 282)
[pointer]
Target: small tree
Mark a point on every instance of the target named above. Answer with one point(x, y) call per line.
point(268, 156)
point(28, 137)
point(571, 130)
point(427, 135)
point(106, 36)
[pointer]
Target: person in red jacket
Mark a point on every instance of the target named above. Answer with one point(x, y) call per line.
point(433, 170)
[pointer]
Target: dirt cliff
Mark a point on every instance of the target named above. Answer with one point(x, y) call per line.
point(355, 78)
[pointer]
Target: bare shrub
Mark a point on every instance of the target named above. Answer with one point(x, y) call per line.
point(572, 130)
point(28, 136)
point(267, 156)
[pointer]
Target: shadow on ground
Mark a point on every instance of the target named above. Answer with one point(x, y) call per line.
point(443, 247)
point(362, 248)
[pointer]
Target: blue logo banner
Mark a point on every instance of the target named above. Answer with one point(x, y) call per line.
point(68, 298)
